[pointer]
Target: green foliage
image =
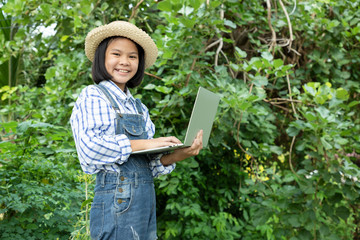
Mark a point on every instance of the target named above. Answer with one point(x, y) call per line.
point(39, 188)
point(320, 198)
point(8, 63)
point(284, 155)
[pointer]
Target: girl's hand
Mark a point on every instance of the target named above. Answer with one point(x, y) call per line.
point(183, 153)
point(143, 144)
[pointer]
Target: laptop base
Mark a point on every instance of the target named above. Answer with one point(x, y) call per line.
point(160, 149)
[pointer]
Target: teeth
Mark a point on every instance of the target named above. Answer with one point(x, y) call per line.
point(124, 71)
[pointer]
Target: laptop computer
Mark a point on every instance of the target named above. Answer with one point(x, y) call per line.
point(202, 117)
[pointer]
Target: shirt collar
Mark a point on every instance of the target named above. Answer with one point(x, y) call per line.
point(117, 92)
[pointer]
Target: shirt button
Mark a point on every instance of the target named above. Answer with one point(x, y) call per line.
point(122, 178)
point(119, 201)
point(120, 190)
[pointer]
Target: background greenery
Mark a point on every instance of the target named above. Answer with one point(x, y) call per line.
point(284, 155)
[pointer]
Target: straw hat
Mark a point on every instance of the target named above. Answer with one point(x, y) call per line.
point(124, 29)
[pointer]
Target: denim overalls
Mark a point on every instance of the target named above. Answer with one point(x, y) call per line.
point(124, 205)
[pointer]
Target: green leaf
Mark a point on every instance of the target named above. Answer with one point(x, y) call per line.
point(235, 67)
point(193, 163)
point(294, 238)
point(342, 94)
point(23, 126)
point(163, 89)
point(196, 3)
point(310, 90)
point(288, 178)
point(86, 7)
point(45, 8)
point(278, 63)
point(189, 23)
point(215, 3)
point(240, 53)
point(333, 24)
point(276, 149)
point(345, 75)
point(292, 131)
point(341, 141)
point(86, 202)
point(260, 81)
point(324, 230)
point(150, 86)
point(104, 6)
point(229, 23)
point(353, 103)
point(342, 212)
point(12, 6)
point(325, 143)
point(64, 38)
point(245, 215)
point(304, 234)
point(31, 226)
point(165, 6)
point(320, 99)
point(50, 73)
point(9, 126)
point(294, 221)
point(324, 113)
point(268, 56)
point(310, 116)
point(244, 105)
point(255, 63)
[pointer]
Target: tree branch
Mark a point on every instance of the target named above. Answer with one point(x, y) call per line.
point(273, 34)
point(289, 24)
point(152, 75)
point(212, 44)
point(135, 9)
point(221, 43)
point(290, 162)
point(292, 102)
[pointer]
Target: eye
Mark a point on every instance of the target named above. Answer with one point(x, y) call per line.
point(133, 56)
point(116, 54)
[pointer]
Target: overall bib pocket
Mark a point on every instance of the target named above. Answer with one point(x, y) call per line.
point(133, 130)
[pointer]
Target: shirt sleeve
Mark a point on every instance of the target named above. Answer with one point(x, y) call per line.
point(93, 126)
point(157, 168)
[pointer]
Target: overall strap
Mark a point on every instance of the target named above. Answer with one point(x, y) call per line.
point(114, 105)
point(139, 106)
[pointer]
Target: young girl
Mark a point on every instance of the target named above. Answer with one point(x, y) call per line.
point(108, 124)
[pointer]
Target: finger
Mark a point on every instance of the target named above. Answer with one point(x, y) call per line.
point(200, 135)
point(197, 144)
point(171, 140)
point(174, 140)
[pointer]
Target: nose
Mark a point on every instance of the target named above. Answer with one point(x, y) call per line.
point(124, 61)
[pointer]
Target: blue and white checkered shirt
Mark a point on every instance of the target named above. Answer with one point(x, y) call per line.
point(93, 126)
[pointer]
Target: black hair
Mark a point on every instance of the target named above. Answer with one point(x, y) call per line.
point(99, 72)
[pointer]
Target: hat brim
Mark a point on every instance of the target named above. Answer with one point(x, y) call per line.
point(121, 29)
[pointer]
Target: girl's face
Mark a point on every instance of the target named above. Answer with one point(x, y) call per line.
point(121, 61)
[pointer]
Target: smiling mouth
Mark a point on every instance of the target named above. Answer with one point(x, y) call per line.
point(123, 71)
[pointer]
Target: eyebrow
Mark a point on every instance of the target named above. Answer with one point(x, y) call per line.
point(117, 50)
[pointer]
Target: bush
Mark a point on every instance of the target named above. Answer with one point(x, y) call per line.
point(283, 159)
point(40, 193)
